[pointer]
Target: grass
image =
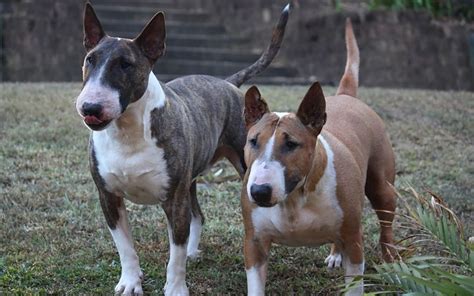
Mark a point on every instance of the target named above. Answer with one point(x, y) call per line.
point(53, 237)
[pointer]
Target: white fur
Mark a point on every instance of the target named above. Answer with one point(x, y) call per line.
point(194, 238)
point(176, 269)
point(264, 170)
point(355, 71)
point(350, 271)
point(333, 260)
point(130, 282)
point(129, 161)
point(95, 92)
point(255, 284)
point(281, 114)
point(319, 210)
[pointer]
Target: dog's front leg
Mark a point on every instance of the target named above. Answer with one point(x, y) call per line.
point(130, 282)
point(178, 212)
point(256, 262)
point(353, 262)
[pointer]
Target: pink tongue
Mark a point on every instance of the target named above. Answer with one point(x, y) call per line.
point(92, 120)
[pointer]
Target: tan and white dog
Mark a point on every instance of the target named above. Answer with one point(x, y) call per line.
point(307, 178)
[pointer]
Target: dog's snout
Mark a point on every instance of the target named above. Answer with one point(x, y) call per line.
point(261, 194)
point(91, 109)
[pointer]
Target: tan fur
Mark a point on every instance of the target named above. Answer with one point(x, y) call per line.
point(350, 79)
point(364, 164)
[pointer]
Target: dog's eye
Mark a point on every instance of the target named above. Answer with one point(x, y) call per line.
point(125, 65)
point(90, 60)
point(253, 142)
point(291, 145)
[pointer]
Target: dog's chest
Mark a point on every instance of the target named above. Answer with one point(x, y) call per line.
point(308, 226)
point(137, 171)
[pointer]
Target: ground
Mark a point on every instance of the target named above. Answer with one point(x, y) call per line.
point(54, 238)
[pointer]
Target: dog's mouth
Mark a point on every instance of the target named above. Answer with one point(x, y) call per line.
point(95, 123)
point(264, 204)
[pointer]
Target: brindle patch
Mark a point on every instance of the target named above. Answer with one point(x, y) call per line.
point(201, 114)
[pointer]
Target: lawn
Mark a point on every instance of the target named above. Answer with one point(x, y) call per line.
point(54, 238)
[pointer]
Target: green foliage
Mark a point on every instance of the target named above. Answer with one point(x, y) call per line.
point(451, 8)
point(337, 5)
point(435, 229)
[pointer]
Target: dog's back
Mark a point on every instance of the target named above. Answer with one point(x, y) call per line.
point(223, 116)
point(359, 128)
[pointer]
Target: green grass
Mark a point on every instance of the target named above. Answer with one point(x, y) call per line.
point(53, 237)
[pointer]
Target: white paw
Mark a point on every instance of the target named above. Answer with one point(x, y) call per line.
point(194, 255)
point(333, 260)
point(177, 288)
point(130, 284)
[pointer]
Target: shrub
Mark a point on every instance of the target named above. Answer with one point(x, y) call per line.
point(452, 8)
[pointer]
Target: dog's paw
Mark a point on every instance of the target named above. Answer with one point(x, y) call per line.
point(194, 255)
point(333, 260)
point(177, 288)
point(130, 284)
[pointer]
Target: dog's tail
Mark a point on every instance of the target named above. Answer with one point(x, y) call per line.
point(350, 80)
point(268, 55)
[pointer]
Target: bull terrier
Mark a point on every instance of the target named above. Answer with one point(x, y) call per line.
point(307, 178)
point(150, 140)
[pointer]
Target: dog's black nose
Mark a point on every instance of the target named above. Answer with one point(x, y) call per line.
point(261, 194)
point(91, 109)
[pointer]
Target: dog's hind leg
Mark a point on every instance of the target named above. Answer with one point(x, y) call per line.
point(197, 220)
point(234, 157)
point(382, 197)
point(335, 257)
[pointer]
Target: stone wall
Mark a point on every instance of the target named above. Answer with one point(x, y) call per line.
point(398, 49)
point(43, 41)
point(406, 49)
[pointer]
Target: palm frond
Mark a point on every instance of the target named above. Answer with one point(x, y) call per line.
point(435, 258)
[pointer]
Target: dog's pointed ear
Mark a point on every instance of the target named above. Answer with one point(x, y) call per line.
point(152, 39)
point(93, 31)
point(312, 110)
point(255, 107)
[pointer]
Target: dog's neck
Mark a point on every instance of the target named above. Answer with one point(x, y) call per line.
point(135, 121)
point(320, 162)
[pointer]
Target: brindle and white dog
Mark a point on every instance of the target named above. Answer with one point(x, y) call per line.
point(151, 140)
point(307, 178)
